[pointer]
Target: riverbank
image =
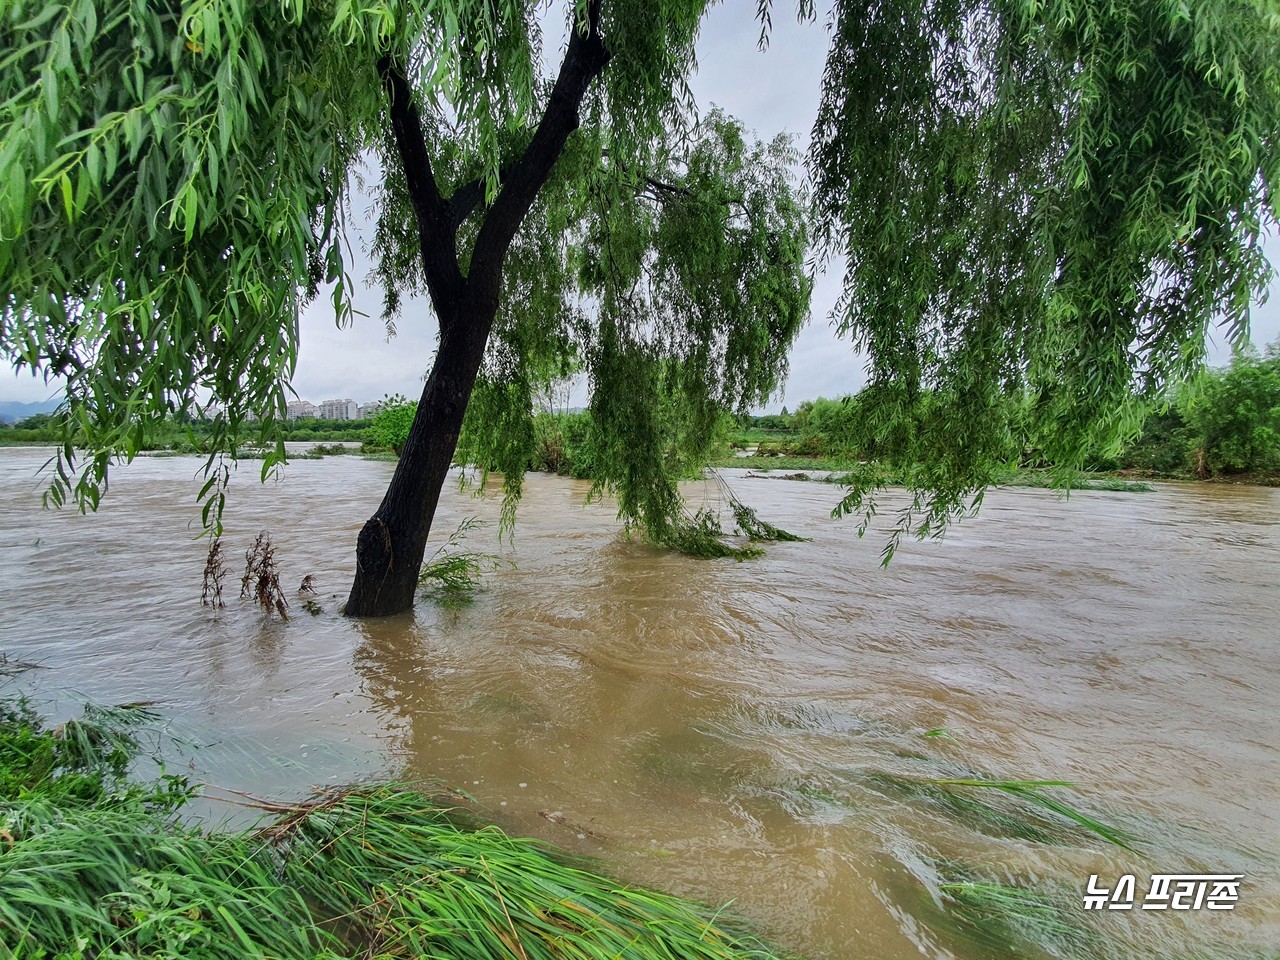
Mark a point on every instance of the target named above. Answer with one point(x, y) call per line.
point(814, 468)
point(98, 863)
point(835, 469)
point(832, 470)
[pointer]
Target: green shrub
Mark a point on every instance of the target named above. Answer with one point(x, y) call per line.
point(389, 428)
point(1165, 445)
point(1234, 415)
point(564, 444)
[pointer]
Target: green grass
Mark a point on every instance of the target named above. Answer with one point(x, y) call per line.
point(1015, 917)
point(1011, 809)
point(766, 464)
point(836, 471)
point(1041, 479)
point(1033, 793)
point(756, 435)
point(97, 865)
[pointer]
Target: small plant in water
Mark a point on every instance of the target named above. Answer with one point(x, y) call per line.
point(215, 570)
point(10, 667)
point(452, 576)
point(261, 580)
point(756, 529)
point(701, 535)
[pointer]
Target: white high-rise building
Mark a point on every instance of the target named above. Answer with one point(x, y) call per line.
point(302, 408)
point(339, 410)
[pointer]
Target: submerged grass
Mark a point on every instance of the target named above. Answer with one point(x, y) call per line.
point(97, 865)
point(839, 471)
point(1019, 809)
point(1032, 792)
point(1016, 917)
point(1043, 480)
point(11, 668)
point(1021, 917)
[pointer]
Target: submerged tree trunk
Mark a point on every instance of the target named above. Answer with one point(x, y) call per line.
point(393, 541)
point(391, 544)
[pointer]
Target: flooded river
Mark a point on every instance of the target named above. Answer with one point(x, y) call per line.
point(768, 732)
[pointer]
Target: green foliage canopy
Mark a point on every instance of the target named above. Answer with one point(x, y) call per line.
point(1040, 200)
point(678, 296)
point(1044, 200)
point(389, 427)
point(177, 176)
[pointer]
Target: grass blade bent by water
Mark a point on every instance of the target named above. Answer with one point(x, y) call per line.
point(1032, 792)
point(419, 880)
point(95, 865)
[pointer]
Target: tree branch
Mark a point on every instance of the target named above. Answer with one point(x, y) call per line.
point(465, 199)
point(468, 196)
point(668, 188)
point(583, 62)
point(660, 192)
point(437, 229)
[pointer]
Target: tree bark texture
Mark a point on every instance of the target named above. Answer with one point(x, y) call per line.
point(392, 543)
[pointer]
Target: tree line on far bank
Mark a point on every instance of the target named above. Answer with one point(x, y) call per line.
point(185, 435)
point(1226, 422)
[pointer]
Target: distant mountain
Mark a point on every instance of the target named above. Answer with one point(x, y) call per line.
point(11, 411)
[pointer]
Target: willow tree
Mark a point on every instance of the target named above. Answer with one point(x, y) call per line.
point(1042, 205)
point(176, 176)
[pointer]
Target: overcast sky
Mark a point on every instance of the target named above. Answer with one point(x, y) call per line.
point(771, 92)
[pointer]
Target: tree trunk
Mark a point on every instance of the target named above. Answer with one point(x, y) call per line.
point(393, 541)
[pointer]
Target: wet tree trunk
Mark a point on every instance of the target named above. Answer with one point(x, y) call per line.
point(391, 545)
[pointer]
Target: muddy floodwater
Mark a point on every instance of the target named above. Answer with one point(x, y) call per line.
point(763, 732)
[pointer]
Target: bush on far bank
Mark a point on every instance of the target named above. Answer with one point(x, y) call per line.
point(1225, 423)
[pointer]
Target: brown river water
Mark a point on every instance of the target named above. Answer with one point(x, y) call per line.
point(728, 731)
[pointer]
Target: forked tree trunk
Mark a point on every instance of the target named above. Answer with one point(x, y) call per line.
point(391, 544)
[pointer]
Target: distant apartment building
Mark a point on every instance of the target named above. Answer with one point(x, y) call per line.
point(370, 409)
point(339, 410)
point(302, 408)
point(213, 410)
